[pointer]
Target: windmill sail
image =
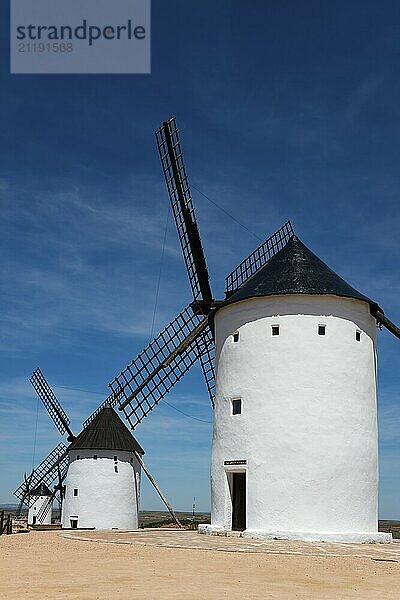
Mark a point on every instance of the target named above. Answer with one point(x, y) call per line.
point(258, 258)
point(206, 352)
point(169, 147)
point(24, 492)
point(50, 402)
point(148, 378)
point(46, 472)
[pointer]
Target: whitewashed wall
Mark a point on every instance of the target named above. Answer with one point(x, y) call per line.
point(308, 428)
point(106, 499)
point(36, 510)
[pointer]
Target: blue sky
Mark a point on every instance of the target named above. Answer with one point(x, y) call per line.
point(287, 110)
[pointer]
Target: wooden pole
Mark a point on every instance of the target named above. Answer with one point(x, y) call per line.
point(159, 492)
point(137, 494)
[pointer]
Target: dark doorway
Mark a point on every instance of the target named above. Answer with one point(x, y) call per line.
point(238, 501)
point(74, 523)
point(34, 520)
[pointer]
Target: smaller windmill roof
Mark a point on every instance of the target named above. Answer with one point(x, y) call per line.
point(106, 432)
point(296, 270)
point(41, 490)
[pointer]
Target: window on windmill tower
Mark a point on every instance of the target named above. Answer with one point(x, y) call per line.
point(358, 336)
point(75, 491)
point(116, 468)
point(237, 406)
point(115, 458)
point(95, 456)
point(236, 336)
point(321, 329)
point(275, 329)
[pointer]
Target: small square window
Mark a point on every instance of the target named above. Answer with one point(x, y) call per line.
point(95, 457)
point(275, 329)
point(237, 406)
point(321, 329)
point(236, 336)
point(115, 458)
point(75, 491)
point(358, 336)
point(77, 457)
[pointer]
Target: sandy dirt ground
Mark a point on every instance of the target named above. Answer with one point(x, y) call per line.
point(47, 565)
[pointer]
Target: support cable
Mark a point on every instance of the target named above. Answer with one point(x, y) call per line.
point(35, 435)
point(159, 274)
point(225, 211)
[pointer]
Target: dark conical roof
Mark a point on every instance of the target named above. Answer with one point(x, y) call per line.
point(106, 432)
point(296, 270)
point(40, 490)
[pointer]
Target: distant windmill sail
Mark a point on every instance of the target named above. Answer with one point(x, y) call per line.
point(50, 402)
point(45, 472)
point(24, 490)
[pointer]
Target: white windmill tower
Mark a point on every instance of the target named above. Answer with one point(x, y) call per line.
point(295, 423)
point(102, 486)
point(41, 505)
point(295, 445)
point(97, 475)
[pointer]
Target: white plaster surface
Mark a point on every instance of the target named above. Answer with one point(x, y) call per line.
point(106, 499)
point(309, 536)
point(36, 510)
point(313, 536)
point(308, 428)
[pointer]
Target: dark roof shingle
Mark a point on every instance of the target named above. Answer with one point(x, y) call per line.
point(106, 432)
point(296, 270)
point(40, 490)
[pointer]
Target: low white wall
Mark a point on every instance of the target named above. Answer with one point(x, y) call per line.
point(106, 499)
point(308, 428)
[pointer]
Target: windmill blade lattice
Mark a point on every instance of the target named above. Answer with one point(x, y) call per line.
point(258, 258)
point(49, 399)
point(169, 147)
point(45, 472)
point(25, 487)
point(148, 378)
point(206, 356)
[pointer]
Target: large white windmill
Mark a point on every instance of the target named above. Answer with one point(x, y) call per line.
point(294, 451)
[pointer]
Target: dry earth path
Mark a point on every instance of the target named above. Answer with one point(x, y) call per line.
point(164, 565)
